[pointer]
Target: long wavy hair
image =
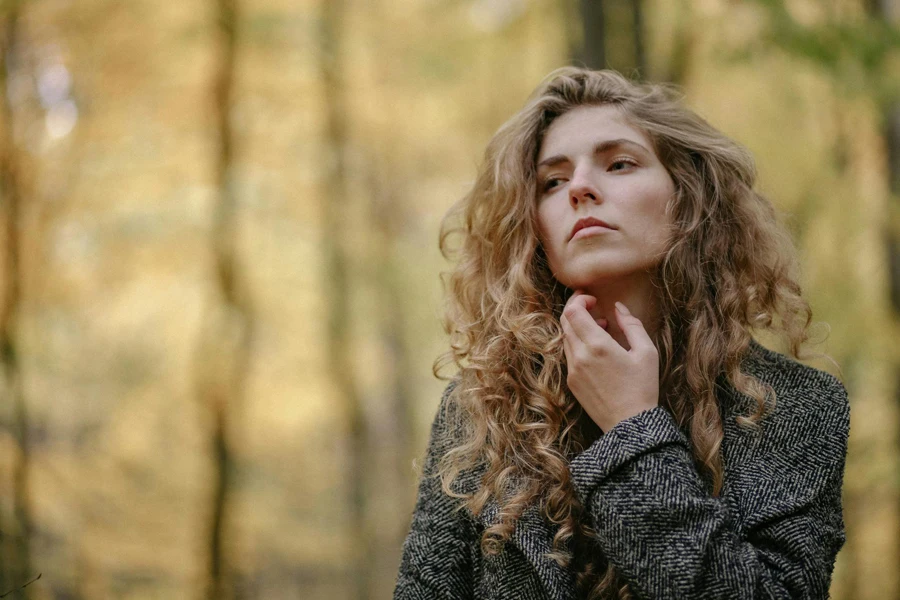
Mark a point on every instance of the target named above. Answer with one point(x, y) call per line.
point(729, 268)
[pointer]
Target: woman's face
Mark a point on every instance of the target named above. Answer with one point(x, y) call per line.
point(599, 177)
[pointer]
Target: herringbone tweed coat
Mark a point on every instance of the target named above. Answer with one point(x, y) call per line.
point(774, 532)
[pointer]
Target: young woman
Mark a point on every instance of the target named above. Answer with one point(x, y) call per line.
point(614, 430)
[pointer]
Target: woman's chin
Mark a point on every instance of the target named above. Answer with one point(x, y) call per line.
point(592, 280)
point(596, 276)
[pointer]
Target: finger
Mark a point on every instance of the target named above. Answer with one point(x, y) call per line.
point(633, 328)
point(566, 326)
point(586, 300)
point(567, 337)
point(581, 323)
point(567, 346)
point(589, 303)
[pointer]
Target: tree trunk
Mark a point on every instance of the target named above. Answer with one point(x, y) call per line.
point(593, 46)
point(224, 351)
point(889, 11)
point(613, 36)
point(338, 292)
point(676, 71)
point(640, 52)
point(892, 140)
point(18, 546)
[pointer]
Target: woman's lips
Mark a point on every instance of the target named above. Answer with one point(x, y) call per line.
point(590, 230)
point(588, 222)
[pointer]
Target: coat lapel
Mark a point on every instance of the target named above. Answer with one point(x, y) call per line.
point(533, 536)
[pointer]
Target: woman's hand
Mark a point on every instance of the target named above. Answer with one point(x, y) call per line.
point(611, 383)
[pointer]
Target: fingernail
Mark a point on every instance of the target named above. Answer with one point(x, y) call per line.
point(621, 308)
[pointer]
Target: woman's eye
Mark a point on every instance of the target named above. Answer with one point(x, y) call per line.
point(551, 183)
point(622, 163)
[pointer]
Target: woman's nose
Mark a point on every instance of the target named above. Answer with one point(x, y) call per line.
point(582, 189)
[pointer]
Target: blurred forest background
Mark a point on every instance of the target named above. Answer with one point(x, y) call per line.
point(219, 276)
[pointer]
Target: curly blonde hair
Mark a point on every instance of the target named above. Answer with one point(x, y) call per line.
point(730, 268)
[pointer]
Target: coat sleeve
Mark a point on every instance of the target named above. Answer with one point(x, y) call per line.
point(436, 560)
point(774, 533)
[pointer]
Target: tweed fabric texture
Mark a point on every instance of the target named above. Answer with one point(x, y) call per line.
point(774, 531)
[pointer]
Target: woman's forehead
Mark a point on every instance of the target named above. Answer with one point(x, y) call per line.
point(584, 127)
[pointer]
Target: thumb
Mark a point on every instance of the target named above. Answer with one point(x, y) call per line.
point(632, 327)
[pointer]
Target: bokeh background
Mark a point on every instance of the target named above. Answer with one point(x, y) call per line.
point(219, 277)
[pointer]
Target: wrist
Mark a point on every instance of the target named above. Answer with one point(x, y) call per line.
point(609, 423)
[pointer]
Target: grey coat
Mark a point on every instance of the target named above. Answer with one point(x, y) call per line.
point(774, 531)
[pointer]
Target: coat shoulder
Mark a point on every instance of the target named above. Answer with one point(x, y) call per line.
point(795, 456)
point(448, 425)
point(799, 389)
point(450, 429)
point(808, 405)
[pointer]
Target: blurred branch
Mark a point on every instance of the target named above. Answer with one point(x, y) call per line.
point(21, 587)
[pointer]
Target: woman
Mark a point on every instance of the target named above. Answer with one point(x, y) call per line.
point(614, 430)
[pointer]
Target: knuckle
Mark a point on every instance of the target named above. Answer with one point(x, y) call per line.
point(596, 348)
point(582, 358)
point(580, 361)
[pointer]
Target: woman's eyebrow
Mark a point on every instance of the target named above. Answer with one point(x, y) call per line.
point(600, 148)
